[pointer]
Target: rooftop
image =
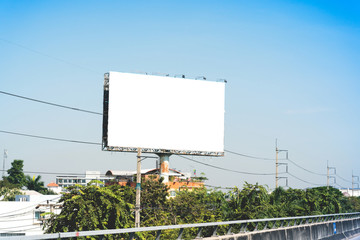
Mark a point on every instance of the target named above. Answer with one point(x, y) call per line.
point(52, 184)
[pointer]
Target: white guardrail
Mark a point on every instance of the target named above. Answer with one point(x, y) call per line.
point(233, 227)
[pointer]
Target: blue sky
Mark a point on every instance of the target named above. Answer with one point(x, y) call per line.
point(291, 66)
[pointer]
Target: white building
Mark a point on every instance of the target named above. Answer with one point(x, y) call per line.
point(24, 216)
point(349, 192)
point(54, 187)
point(33, 196)
point(67, 181)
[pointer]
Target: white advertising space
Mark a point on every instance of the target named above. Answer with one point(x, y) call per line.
point(147, 111)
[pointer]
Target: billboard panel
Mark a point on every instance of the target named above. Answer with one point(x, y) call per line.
point(163, 114)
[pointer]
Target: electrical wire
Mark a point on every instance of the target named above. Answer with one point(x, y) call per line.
point(217, 187)
point(54, 173)
point(18, 214)
point(320, 174)
point(93, 143)
point(49, 138)
point(248, 156)
point(316, 184)
point(50, 103)
point(21, 226)
point(229, 170)
point(22, 230)
point(16, 220)
point(297, 165)
point(343, 178)
point(87, 111)
point(339, 185)
point(206, 164)
point(48, 56)
point(31, 206)
point(307, 170)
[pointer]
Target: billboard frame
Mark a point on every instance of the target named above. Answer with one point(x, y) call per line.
point(106, 147)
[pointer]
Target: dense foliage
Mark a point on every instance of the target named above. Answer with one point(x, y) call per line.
point(8, 194)
point(35, 183)
point(92, 207)
point(16, 174)
point(12, 184)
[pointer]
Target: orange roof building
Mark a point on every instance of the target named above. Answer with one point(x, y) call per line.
point(177, 181)
point(54, 187)
point(52, 184)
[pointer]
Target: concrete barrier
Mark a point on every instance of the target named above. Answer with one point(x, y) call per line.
point(324, 231)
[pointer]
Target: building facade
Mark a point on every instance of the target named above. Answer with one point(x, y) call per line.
point(67, 181)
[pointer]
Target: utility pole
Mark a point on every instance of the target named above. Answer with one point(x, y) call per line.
point(353, 182)
point(328, 174)
point(277, 164)
point(287, 182)
point(138, 189)
point(5, 157)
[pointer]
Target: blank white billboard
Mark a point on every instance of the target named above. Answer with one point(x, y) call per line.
point(163, 114)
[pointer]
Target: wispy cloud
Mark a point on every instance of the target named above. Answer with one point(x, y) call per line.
point(309, 111)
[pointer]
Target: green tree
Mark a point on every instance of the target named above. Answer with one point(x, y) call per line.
point(189, 207)
point(312, 201)
point(324, 200)
point(196, 206)
point(287, 203)
point(354, 203)
point(46, 191)
point(8, 191)
point(8, 194)
point(249, 203)
point(154, 203)
point(16, 174)
point(5, 183)
point(91, 208)
point(202, 178)
point(32, 183)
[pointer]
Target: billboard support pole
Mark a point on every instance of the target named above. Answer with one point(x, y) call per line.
point(138, 189)
point(164, 166)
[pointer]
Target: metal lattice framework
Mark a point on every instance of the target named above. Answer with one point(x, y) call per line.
point(156, 150)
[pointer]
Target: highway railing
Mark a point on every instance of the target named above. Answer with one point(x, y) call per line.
point(228, 227)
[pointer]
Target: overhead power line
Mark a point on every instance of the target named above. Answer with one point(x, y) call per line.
point(340, 185)
point(206, 164)
point(226, 169)
point(316, 184)
point(94, 143)
point(22, 226)
point(307, 170)
point(248, 156)
point(97, 113)
point(49, 138)
point(22, 230)
point(49, 103)
point(53, 173)
point(219, 187)
point(16, 220)
point(48, 56)
point(343, 178)
point(14, 212)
